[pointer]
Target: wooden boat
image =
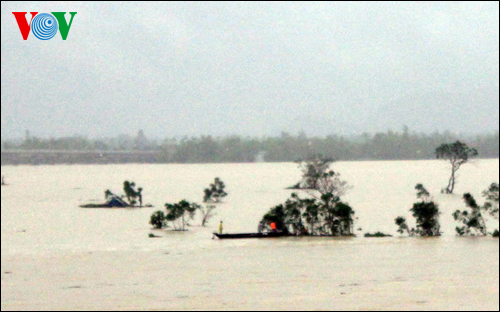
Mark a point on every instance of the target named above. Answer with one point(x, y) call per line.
point(250, 235)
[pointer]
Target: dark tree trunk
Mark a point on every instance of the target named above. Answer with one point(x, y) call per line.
point(452, 182)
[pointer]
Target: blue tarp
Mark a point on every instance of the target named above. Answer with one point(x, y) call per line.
point(115, 201)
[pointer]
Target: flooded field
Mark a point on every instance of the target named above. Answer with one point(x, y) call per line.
point(56, 256)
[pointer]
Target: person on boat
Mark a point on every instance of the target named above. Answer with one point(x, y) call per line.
point(274, 228)
point(221, 227)
point(261, 227)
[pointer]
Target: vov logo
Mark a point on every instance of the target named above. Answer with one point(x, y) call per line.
point(44, 25)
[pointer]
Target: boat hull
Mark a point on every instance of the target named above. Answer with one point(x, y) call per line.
point(250, 235)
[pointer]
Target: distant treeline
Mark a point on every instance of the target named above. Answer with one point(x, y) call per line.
point(403, 145)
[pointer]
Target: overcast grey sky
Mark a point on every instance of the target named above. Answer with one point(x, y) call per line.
point(183, 69)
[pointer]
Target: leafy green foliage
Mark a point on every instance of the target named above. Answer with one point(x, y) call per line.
point(471, 222)
point(310, 216)
point(491, 205)
point(313, 169)
point(422, 192)
point(215, 193)
point(426, 214)
point(390, 145)
point(403, 226)
point(207, 213)
point(457, 154)
point(132, 194)
point(179, 214)
point(157, 219)
point(324, 213)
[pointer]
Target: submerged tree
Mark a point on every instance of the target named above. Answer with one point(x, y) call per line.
point(403, 226)
point(207, 213)
point(458, 154)
point(311, 216)
point(491, 205)
point(471, 222)
point(323, 213)
point(216, 192)
point(319, 180)
point(331, 183)
point(491, 196)
point(338, 217)
point(132, 194)
point(426, 213)
point(422, 192)
point(278, 216)
point(313, 169)
point(179, 214)
point(214, 195)
point(157, 219)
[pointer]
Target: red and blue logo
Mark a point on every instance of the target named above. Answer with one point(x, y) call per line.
point(44, 25)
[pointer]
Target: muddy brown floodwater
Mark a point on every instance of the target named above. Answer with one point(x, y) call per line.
point(56, 256)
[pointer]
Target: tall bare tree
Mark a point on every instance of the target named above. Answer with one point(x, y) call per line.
point(458, 154)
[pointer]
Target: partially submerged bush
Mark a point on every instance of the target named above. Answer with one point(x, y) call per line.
point(214, 195)
point(495, 234)
point(133, 195)
point(310, 216)
point(377, 235)
point(179, 214)
point(491, 195)
point(157, 219)
point(426, 213)
point(403, 226)
point(323, 213)
point(471, 222)
point(313, 169)
point(207, 213)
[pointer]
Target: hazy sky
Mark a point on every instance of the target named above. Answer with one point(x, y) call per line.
point(176, 69)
